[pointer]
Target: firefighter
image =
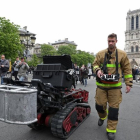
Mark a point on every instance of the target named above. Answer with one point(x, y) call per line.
point(111, 61)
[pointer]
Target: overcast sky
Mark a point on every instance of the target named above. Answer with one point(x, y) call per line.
point(86, 22)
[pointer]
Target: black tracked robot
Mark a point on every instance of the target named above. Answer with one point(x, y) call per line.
point(59, 105)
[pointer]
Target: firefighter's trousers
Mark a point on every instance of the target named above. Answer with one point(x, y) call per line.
point(113, 97)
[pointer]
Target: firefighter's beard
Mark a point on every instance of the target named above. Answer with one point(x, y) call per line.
point(111, 47)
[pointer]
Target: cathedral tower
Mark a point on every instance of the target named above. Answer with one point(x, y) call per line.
point(132, 37)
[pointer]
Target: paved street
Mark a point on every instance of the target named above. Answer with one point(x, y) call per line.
point(128, 126)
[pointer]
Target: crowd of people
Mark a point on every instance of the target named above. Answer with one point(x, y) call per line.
point(19, 70)
point(83, 73)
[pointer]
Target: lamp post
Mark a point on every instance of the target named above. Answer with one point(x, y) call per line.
point(28, 39)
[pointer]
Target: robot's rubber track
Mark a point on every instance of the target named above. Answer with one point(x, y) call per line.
point(66, 121)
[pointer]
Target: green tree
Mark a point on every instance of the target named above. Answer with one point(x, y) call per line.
point(10, 44)
point(47, 50)
point(82, 57)
point(34, 61)
point(77, 56)
point(68, 50)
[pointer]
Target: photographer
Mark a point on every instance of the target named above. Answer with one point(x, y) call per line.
point(15, 70)
point(22, 69)
point(4, 67)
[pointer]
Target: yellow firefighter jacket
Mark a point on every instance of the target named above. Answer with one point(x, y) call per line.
point(123, 67)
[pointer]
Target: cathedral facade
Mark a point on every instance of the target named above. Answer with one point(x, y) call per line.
point(132, 37)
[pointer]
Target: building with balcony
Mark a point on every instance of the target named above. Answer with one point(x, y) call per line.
point(64, 42)
point(132, 37)
point(28, 40)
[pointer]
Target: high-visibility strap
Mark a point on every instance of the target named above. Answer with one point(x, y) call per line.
point(111, 65)
point(111, 131)
point(128, 76)
point(95, 67)
point(105, 116)
point(108, 85)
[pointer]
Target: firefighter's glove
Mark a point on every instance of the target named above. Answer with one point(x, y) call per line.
point(99, 73)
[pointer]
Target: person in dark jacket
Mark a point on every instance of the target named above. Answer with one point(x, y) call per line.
point(82, 74)
point(85, 72)
point(133, 73)
point(4, 67)
point(15, 72)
